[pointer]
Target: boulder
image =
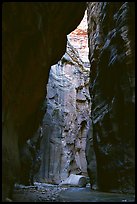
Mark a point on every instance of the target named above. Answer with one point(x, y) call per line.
point(74, 180)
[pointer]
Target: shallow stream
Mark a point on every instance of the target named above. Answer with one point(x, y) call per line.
point(42, 192)
point(88, 195)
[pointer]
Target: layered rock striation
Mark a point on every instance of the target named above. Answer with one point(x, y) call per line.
point(33, 39)
point(111, 35)
point(66, 121)
point(79, 39)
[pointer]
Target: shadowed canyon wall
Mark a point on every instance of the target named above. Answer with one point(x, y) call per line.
point(111, 30)
point(66, 121)
point(33, 38)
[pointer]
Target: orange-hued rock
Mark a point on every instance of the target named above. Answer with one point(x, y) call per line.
point(79, 39)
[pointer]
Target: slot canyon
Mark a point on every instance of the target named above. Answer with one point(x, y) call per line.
point(68, 101)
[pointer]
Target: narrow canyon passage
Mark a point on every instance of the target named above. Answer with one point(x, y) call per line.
point(67, 115)
point(66, 123)
point(68, 102)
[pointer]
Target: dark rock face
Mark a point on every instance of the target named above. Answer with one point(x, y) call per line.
point(66, 121)
point(91, 158)
point(111, 43)
point(30, 158)
point(33, 38)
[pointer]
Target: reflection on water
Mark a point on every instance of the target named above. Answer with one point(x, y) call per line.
point(87, 195)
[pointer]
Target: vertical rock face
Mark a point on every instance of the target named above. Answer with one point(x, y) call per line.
point(79, 39)
point(111, 45)
point(66, 120)
point(33, 38)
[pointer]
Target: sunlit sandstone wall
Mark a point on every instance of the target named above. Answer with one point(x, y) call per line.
point(67, 119)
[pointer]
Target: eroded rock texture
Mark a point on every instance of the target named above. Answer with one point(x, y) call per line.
point(79, 39)
point(33, 38)
point(111, 43)
point(66, 121)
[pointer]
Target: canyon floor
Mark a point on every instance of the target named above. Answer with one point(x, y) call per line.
point(56, 193)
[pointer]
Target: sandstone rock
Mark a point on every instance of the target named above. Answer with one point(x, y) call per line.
point(34, 38)
point(79, 39)
point(74, 180)
point(66, 121)
point(111, 32)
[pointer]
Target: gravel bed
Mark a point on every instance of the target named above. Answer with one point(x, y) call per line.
point(40, 192)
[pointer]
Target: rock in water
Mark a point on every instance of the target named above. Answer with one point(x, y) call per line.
point(74, 180)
